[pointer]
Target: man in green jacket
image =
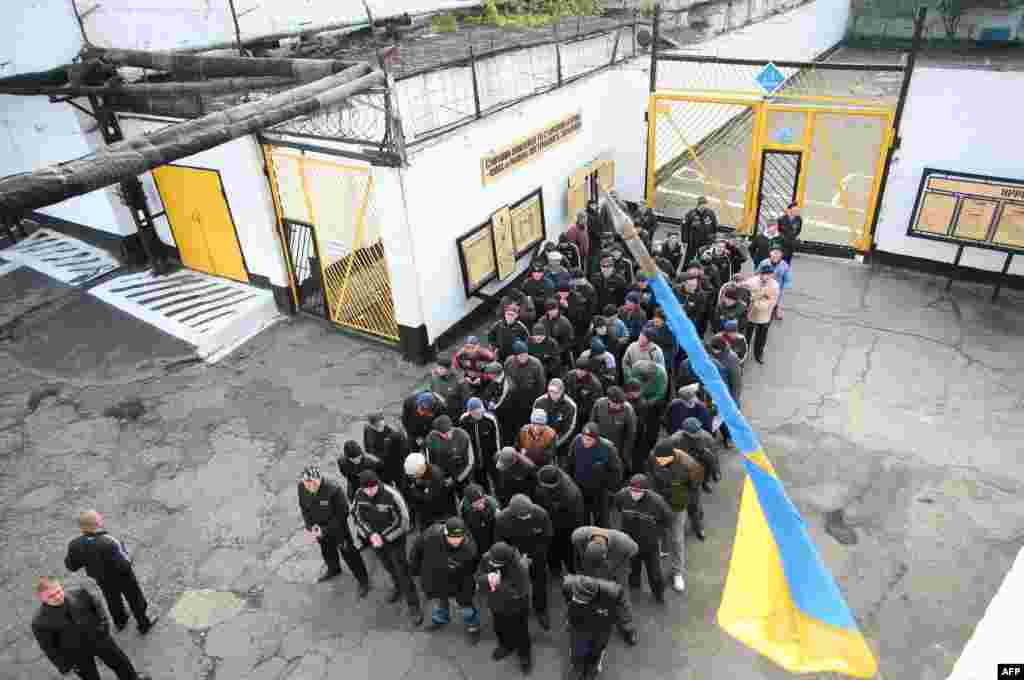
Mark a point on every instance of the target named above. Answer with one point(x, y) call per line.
point(653, 389)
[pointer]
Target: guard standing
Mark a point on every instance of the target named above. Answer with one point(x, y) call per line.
point(325, 512)
point(645, 518)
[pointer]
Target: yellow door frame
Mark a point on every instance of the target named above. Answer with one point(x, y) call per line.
point(810, 106)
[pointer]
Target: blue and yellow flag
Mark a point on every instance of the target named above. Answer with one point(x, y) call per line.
point(779, 597)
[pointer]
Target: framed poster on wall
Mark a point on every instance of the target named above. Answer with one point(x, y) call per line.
point(504, 246)
point(973, 210)
point(476, 255)
point(528, 222)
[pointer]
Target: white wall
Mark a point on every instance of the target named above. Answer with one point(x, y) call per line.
point(240, 163)
point(36, 133)
point(951, 122)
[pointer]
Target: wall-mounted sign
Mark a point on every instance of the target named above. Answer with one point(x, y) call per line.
point(492, 250)
point(584, 182)
point(975, 210)
point(508, 158)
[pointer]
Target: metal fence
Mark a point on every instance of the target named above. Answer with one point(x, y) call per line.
point(890, 23)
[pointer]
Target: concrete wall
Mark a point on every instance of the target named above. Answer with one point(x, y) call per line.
point(951, 123)
point(240, 163)
point(36, 133)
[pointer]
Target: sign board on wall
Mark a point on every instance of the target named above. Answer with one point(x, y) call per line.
point(508, 158)
point(491, 250)
point(582, 186)
point(974, 210)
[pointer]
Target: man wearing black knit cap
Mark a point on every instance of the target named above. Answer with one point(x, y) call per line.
point(645, 518)
point(608, 554)
point(593, 607)
point(616, 421)
point(527, 527)
point(444, 558)
point(503, 583)
point(325, 512)
point(354, 460)
point(595, 464)
point(451, 449)
point(478, 511)
point(559, 495)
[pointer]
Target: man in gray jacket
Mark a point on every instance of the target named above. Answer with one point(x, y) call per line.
point(616, 421)
point(451, 449)
point(526, 381)
point(608, 554)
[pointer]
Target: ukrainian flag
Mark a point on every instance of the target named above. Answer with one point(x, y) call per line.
point(779, 597)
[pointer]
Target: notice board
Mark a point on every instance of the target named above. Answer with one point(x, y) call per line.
point(522, 151)
point(975, 210)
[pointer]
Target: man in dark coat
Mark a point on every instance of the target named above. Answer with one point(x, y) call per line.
point(516, 474)
point(73, 631)
point(505, 331)
point(574, 307)
point(579, 234)
point(325, 513)
point(537, 287)
point(445, 558)
point(388, 445)
point(595, 465)
point(478, 511)
point(418, 413)
point(791, 226)
point(581, 286)
point(693, 299)
point(559, 495)
point(381, 519)
point(562, 415)
point(545, 348)
point(641, 287)
point(451, 449)
point(633, 315)
point(687, 405)
point(526, 381)
point(672, 250)
point(431, 499)
point(354, 460)
point(584, 388)
point(593, 608)
point(728, 365)
point(526, 526)
point(731, 308)
point(503, 583)
point(106, 561)
point(608, 554)
point(699, 227)
point(485, 435)
point(450, 386)
point(677, 476)
point(616, 421)
point(609, 285)
point(645, 517)
point(560, 328)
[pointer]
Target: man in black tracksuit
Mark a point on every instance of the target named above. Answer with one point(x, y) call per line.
point(451, 449)
point(563, 415)
point(559, 495)
point(608, 554)
point(73, 631)
point(645, 518)
point(444, 558)
point(354, 460)
point(485, 435)
point(526, 526)
point(325, 512)
point(503, 583)
point(106, 561)
point(380, 518)
point(545, 349)
point(594, 606)
point(505, 331)
point(516, 474)
point(388, 445)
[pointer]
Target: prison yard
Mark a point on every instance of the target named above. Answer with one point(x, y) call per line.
point(552, 340)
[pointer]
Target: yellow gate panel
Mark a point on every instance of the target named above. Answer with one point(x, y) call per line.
point(201, 221)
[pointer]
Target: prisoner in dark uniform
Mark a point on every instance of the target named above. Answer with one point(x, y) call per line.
point(503, 583)
point(593, 608)
point(526, 526)
point(444, 558)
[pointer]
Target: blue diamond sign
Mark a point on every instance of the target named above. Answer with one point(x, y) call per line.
point(770, 78)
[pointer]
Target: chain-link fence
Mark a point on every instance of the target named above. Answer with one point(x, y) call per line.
point(950, 23)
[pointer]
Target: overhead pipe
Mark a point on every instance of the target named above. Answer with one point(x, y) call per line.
point(215, 86)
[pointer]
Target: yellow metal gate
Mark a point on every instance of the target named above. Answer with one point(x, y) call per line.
point(331, 234)
point(752, 154)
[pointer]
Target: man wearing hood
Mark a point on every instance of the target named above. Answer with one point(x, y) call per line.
point(677, 476)
point(418, 414)
point(431, 500)
point(559, 495)
point(503, 583)
point(645, 517)
point(559, 328)
point(537, 440)
point(608, 554)
point(545, 349)
point(526, 526)
point(593, 608)
point(616, 421)
point(609, 284)
point(595, 465)
point(388, 445)
point(451, 449)
point(354, 460)
point(325, 513)
point(478, 511)
point(598, 355)
point(561, 411)
point(450, 386)
point(485, 437)
point(381, 519)
point(471, 360)
point(516, 474)
point(526, 381)
point(687, 405)
point(445, 558)
point(506, 331)
point(584, 388)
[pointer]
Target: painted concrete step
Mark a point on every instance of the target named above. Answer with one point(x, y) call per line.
point(215, 315)
point(61, 257)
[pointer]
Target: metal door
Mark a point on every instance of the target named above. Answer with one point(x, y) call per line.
point(780, 178)
point(304, 261)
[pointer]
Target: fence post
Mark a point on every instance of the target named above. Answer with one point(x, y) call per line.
point(476, 87)
point(654, 47)
point(558, 55)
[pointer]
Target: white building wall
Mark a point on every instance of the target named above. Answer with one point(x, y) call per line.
point(36, 133)
point(951, 123)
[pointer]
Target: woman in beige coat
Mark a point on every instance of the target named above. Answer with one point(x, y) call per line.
point(764, 295)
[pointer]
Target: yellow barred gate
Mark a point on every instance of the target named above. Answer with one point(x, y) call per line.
point(332, 237)
point(821, 140)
